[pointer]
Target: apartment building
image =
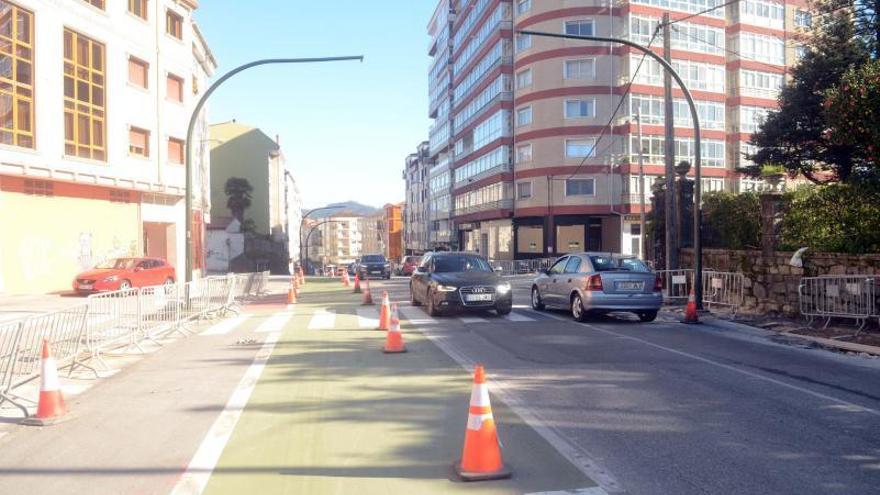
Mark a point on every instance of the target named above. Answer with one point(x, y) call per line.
point(341, 240)
point(372, 229)
point(535, 168)
point(394, 230)
point(416, 216)
point(95, 98)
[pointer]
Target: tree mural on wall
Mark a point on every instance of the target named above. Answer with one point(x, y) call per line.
point(238, 194)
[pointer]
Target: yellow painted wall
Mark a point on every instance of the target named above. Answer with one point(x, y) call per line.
point(46, 241)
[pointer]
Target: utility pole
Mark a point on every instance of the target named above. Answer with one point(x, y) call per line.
point(669, 149)
point(642, 249)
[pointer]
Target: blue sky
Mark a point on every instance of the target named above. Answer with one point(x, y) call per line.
point(346, 127)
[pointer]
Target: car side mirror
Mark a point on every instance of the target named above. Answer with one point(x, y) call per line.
point(545, 271)
point(138, 268)
point(499, 270)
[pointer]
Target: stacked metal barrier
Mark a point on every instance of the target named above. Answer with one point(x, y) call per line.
point(109, 322)
point(724, 289)
point(840, 296)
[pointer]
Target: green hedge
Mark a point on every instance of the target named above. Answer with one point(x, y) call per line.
point(835, 218)
point(731, 221)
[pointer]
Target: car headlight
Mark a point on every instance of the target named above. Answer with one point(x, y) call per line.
point(502, 288)
point(113, 278)
point(446, 288)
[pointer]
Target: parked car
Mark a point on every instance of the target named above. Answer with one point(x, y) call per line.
point(594, 283)
point(124, 273)
point(352, 268)
point(374, 265)
point(459, 281)
point(408, 265)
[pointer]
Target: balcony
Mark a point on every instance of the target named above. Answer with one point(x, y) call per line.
point(767, 94)
point(501, 204)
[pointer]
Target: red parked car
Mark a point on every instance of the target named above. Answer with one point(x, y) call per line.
point(409, 265)
point(125, 273)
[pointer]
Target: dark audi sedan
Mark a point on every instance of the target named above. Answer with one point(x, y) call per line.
point(451, 281)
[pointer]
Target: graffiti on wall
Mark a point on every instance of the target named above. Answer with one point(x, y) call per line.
point(88, 258)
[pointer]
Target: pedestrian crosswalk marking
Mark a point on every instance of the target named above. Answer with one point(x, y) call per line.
point(516, 317)
point(416, 316)
point(275, 323)
point(368, 317)
point(468, 320)
point(322, 320)
point(226, 326)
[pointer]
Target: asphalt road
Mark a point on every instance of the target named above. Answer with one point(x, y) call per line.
point(665, 408)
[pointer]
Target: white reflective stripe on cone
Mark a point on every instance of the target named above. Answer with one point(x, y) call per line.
point(50, 376)
point(480, 395)
point(475, 421)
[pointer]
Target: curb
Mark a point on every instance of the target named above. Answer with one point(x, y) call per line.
point(835, 344)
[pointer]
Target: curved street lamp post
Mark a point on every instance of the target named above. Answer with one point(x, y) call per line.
point(698, 246)
point(313, 229)
point(192, 124)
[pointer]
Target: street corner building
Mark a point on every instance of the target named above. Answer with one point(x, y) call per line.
point(95, 97)
point(533, 149)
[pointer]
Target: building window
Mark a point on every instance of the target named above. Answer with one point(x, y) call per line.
point(580, 148)
point(16, 76)
point(138, 142)
point(580, 187)
point(96, 3)
point(84, 105)
point(174, 24)
point(38, 187)
point(523, 42)
point(579, 28)
point(523, 6)
point(175, 150)
point(524, 153)
point(584, 68)
point(580, 109)
point(803, 19)
point(138, 71)
point(138, 8)
point(523, 78)
point(524, 190)
point(524, 116)
point(800, 51)
point(174, 88)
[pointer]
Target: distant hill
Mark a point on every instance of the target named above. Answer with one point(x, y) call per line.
point(347, 208)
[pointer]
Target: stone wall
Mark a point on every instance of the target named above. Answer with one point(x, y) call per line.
point(771, 284)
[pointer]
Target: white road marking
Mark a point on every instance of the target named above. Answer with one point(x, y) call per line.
point(368, 317)
point(595, 490)
point(469, 320)
point(575, 454)
point(416, 316)
point(226, 326)
point(201, 466)
point(851, 406)
point(275, 323)
point(517, 317)
point(322, 320)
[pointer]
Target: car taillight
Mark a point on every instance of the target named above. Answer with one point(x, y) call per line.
point(594, 282)
point(658, 284)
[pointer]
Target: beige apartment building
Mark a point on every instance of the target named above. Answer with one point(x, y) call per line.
point(521, 122)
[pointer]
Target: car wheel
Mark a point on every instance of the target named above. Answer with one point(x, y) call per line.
point(577, 308)
point(412, 297)
point(432, 308)
point(647, 316)
point(537, 304)
point(503, 310)
point(124, 285)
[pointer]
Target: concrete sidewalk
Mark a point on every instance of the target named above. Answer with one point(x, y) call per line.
point(333, 414)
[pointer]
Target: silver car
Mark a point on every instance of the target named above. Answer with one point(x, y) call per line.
point(595, 283)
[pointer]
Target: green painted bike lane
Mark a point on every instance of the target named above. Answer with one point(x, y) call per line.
point(332, 414)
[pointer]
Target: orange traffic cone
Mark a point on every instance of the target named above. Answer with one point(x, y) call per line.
point(690, 311)
point(302, 276)
point(385, 313)
point(481, 455)
point(291, 295)
point(345, 280)
point(368, 295)
point(394, 339)
point(357, 284)
point(51, 408)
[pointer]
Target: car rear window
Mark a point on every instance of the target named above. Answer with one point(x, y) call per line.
point(610, 263)
point(413, 259)
point(375, 258)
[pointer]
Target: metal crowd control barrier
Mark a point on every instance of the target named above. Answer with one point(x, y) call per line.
point(676, 284)
point(723, 289)
point(112, 321)
point(847, 296)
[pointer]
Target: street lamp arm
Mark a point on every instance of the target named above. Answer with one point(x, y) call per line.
point(309, 235)
point(192, 124)
point(302, 220)
point(698, 251)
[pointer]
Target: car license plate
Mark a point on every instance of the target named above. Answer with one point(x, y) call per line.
point(630, 285)
point(85, 286)
point(478, 297)
point(375, 271)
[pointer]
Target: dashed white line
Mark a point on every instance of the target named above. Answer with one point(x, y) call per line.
point(519, 318)
point(201, 466)
point(469, 320)
point(595, 490)
point(275, 323)
point(226, 326)
point(322, 320)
